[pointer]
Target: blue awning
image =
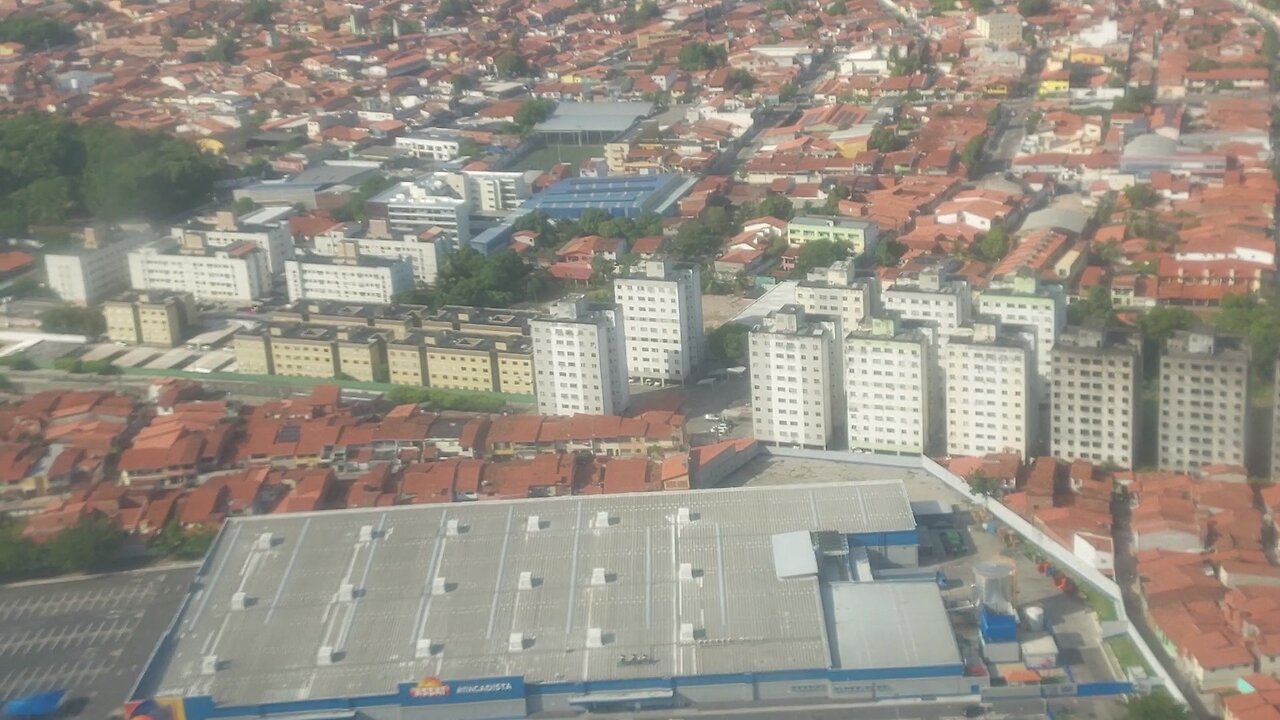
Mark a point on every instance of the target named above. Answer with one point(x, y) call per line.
point(39, 705)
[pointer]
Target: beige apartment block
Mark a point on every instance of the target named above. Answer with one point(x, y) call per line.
point(1204, 400)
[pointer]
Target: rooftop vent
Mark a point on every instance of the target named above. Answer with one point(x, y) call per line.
point(686, 571)
point(366, 533)
point(240, 601)
point(347, 592)
point(603, 520)
point(686, 634)
point(451, 527)
point(684, 516)
point(534, 524)
point(526, 581)
point(598, 576)
point(325, 655)
point(515, 643)
point(595, 637)
point(424, 649)
point(209, 665)
point(265, 541)
point(439, 586)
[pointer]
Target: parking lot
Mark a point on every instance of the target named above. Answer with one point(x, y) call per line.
point(90, 636)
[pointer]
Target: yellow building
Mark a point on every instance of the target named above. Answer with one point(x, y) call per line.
point(457, 362)
point(515, 365)
point(362, 355)
point(1088, 56)
point(1054, 83)
point(304, 351)
point(253, 352)
point(407, 361)
point(149, 318)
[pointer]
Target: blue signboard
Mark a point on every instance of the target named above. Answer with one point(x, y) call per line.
point(433, 690)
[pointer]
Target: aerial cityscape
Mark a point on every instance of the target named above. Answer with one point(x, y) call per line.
point(657, 359)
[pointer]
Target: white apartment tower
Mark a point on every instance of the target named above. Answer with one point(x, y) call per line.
point(425, 250)
point(836, 291)
point(1095, 377)
point(348, 277)
point(931, 298)
point(661, 304)
point(988, 390)
point(794, 357)
point(226, 230)
point(1024, 303)
point(96, 269)
point(888, 381)
point(1204, 400)
point(579, 359)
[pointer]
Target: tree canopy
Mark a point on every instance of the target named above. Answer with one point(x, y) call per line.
point(729, 344)
point(775, 206)
point(510, 65)
point(260, 12)
point(1159, 323)
point(35, 31)
point(90, 544)
point(532, 112)
point(1158, 705)
point(453, 10)
point(1032, 8)
point(1258, 322)
point(470, 278)
point(702, 236)
point(1095, 306)
point(1141, 196)
point(820, 253)
point(52, 171)
point(702, 56)
point(991, 245)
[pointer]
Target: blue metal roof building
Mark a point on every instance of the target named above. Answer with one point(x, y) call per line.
point(623, 196)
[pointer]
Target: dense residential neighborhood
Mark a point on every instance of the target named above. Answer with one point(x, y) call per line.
point(1008, 267)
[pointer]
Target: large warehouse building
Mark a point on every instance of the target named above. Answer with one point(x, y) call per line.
point(504, 609)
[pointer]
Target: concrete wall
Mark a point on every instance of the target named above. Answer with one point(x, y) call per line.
point(1059, 554)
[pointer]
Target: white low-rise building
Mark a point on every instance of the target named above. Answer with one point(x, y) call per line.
point(432, 143)
point(95, 269)
point(793, 360)
point(580, 359)
point(426, 250)
point(234, 273)
point(348, 276)
point(226, 230)
point(428, 202)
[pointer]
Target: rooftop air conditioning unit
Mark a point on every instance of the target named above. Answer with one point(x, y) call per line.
point(325, 655)
point(598, 577)
point(686, 634)
point(423, 649)
point(686, 571)
point(602, 519)
point(595, 638)
point(451, 527)
point(438, 586)
point(684, 516)
point(534, 524)
point(239, 601)
point(265, 541)
point(515, 643)
point(526, 581)
point(366, 533)
point(209, 665)
point(346, 592)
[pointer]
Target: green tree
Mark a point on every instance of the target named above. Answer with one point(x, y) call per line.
point(168, 44)
point(775, 206)
point(985, 485)
point(532, 112)
point(498, 280)
point(972, 153)
point(1032, 8)
point(993, 116)
point(453, 10)
point(1158, 705)
point(1095, 306)
point(1135, 99)
point(992, 245)
point(1141, 196)
point(35, 31)
point(73, 320)
point(701, 56)
point(820, 254)
point(885, 140)
point(511, 65)
point(225, 50)
point(702, 237)
point(729, 344)
point(1159, 323)
point(983, 6)
point(461, 83)
point(259, 12)
point(739, 81)
point(839, 7)
point(88, 545)
point(787, 92)
point(1248, 316)
point(888, 252)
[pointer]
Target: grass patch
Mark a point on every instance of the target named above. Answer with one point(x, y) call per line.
point(1097, 601)
point(1126, 653)
point(545, 158)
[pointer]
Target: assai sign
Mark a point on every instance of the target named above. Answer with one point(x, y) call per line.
point(435, 690)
